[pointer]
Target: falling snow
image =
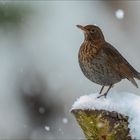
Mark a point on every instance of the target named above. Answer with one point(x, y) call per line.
point(41, 110)
point(65, 120)
point(61, 131)
point(119, 14)
point(47, 128)
point(100, 125)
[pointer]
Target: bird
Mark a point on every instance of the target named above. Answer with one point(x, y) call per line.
point(101, 62)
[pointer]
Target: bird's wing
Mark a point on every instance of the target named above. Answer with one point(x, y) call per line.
point(119, 63)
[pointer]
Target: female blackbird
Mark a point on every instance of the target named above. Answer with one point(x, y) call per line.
point(101, 62)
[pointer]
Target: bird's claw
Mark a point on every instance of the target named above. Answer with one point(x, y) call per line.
point(105, 95)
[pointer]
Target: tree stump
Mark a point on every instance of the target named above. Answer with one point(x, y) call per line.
point(102, 124)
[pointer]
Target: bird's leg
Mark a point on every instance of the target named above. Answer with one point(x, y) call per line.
point(105, 94)
point(101, 89)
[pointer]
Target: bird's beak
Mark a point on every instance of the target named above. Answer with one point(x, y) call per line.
point(82, 28)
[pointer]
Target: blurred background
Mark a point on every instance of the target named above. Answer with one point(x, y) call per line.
point(40, 76)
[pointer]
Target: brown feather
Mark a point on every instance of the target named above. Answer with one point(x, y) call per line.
point(119, 63)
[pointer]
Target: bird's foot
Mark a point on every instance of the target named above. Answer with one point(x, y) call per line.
point(105, 95)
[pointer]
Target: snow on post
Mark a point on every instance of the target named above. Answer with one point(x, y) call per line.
point(115, 117)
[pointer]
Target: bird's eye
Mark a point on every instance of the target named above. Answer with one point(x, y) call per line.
point(92, 31)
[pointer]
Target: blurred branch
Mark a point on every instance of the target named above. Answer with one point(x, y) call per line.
point(12, 13)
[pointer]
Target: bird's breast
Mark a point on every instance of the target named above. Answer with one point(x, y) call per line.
point(88, 51)
point(94, 65)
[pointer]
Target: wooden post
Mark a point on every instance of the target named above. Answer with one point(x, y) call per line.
point(102, 124)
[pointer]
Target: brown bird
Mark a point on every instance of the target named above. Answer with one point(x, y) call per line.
point(101, 63)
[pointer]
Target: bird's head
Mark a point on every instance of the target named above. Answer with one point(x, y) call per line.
point(91, 32)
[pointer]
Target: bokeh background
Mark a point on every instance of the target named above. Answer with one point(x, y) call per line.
point(39, 73)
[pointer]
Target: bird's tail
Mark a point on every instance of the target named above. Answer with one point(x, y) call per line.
point(137, 75)
point(133, 82)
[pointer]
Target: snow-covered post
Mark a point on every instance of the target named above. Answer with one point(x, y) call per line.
point(115, 118)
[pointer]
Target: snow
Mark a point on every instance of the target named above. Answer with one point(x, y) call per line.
point(100, 125)
point(41, 110)
point(127, 104)
point(119, 14)
point(47, 128)
point(65, 120)
point(61, 131)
